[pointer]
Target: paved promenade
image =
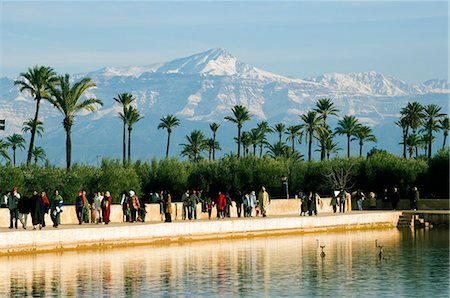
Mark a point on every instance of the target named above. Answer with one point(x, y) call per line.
point(91, 236)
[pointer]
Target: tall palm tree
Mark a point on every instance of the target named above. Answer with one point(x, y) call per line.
point(294, 133)
point(414, 114)
point(256, 136)
point(124, 99)
point(39, 154)
point(444, 125)
point(169, 122)
point(279, 128)
point(15, 141)
point(412, 142)
point(325, 107)
point(347, 126)
point(36, 81)
point(312, 123)
point(246, 141)
point(195, 145)
point(211, 146)
point(323, 135)
point(214, 127)
point(264, 129)
point(240, 116)
point(331, 147)
point(403, 124)
point(364, 134)
point(4, 150)
point(432, 114)
point(31, 125)
point(132, 116)
point(67, 99)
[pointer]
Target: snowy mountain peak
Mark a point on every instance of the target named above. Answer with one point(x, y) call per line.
point(215, 61)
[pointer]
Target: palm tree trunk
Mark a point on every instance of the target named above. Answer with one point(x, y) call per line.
point(14, 156)
point(254, 149)
point(214, 149)
point(209, 154)
point(416, 148)
point(260, 150)
point(430, 141)
point(445, 139)
point(293, 144)
point(168, 144)
point(309, 146)
point(348, 146)
point(129, 144)
point(280, 136)
point(239, 142)
point(360, 149)
point(328, 155)
point(124, 143)
point(68, 147)
point(33, 131)
point(404, 145)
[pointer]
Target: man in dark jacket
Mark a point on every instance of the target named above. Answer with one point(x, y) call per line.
point(13, 201)
point(79, 207)
point(24, 209)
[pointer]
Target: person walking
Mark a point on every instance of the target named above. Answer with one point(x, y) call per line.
point(13, 201)
point(251, 203)
point(45, 207)
point(395, 198)
point(134, 205)
point(385, 197)
point(209, 205)
point(360, 196)
point(185, 203)
point(24, 207)
point(312, 204)
point(238, 201)
point(372, 200)
point(334, 202)
point(264, 201)
point(221, 204)
point(38, 209)
point(79, 207)
point(56, 209)
point(167, 205)
point(342, 198)
point(106, 207)
point(245, 203)
point(97, 207)
point(415, 199)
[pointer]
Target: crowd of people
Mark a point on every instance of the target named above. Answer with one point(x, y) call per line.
point(97, 209)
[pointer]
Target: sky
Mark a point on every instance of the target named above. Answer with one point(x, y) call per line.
point(408, 40)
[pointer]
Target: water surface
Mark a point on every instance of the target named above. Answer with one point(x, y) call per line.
point(415, 263)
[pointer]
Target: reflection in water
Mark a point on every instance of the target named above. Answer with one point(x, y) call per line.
point(415, 261)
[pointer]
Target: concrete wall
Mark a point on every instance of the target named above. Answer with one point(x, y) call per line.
point(277, 207)
point(425, 204)
point(79, 237)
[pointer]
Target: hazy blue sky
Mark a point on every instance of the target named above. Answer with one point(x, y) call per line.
point(406, 39)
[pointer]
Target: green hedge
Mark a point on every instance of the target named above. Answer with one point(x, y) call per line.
point(231, 174)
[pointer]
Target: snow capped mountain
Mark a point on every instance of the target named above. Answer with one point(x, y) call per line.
point(204, 87)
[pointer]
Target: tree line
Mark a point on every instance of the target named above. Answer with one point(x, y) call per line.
point(418, 123)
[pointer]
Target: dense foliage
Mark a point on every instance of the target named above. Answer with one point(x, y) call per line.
point(379, 170)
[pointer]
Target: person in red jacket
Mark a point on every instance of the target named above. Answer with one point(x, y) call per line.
point(221, 204)
point(107, 207)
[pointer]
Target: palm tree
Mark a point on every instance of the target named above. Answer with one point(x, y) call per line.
point(67, 99)
point(264, 129)
point(39, 154)
point(31, 125)
point(325, 107)
point(279, 128)
point(294, 133)
point(195, 145)
point(15, 141)
point(124, 99)
point(169, 122)
point(311, 125)
point(4, 150)
point(211, 146)
point(214, 127)
point(241, 115)
point(403, 124)
point(412, 142)
point(324, 133)
point(37, 81)
point(246, 141)
point(331, 147)
point(364, 134)
point(347, 126)
point(256, 136)
point(432, 114)
point(413, 113)
point(444, 126)
point(132, 117)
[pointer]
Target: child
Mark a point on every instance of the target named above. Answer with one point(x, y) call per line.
point(209, 206)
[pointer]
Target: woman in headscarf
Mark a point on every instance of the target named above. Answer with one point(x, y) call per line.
point(107, 199)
